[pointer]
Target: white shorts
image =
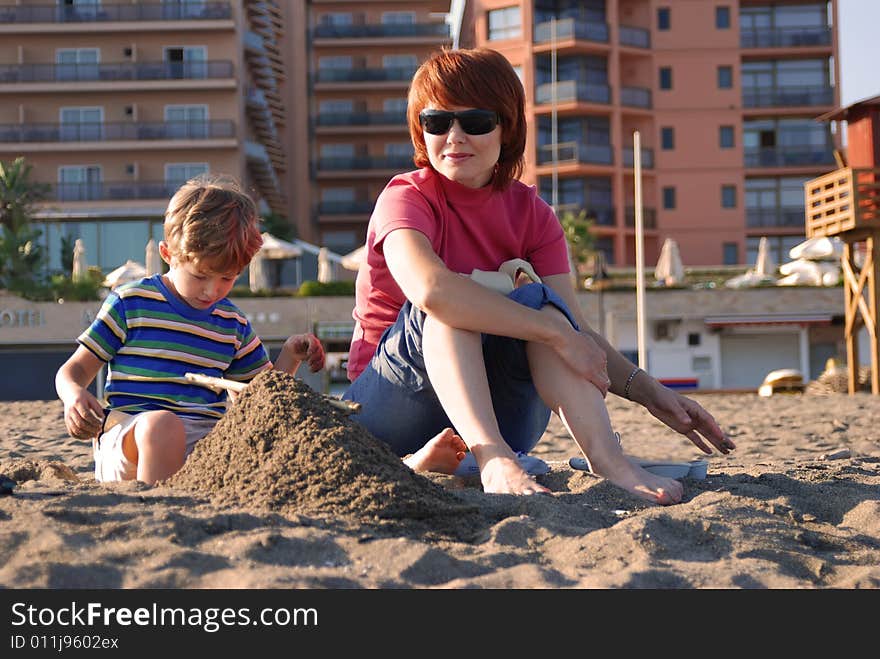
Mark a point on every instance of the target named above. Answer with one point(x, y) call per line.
point(110, 461)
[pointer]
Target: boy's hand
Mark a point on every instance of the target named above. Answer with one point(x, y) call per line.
point(83, 415)
point(305, 348)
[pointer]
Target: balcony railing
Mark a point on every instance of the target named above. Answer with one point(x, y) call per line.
point(110, 131)
point(783, 216)
point(635, 97)
point(788, 156)
point(601, 215)
point(365, 162)
point(572, 90)
point(398, 30)
point(214, 69)
point(784, 37)
point(649, 217)
point(575, 152)
point(361, 119)
point(108, 13)
point(628, 158)
point(366, 75)
point(111, 190)
point(345, 207)
point(569, 28)
point(788, 96)
point(634, 36)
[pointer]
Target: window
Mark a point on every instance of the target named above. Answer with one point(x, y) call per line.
point(341, 242)
point(725, 137)
point(665, 77)
point(336, 106)
point(408, 62)
point(79, 124)
point(398, 17)
point(693, 338)
point(187, 62)
point(663, 18)
point(77, 63)
point(336, 18)
point(722, 18)
point(79, 182)
point(731, 253)
point(337, 194)
point(728, 196)
point(335, 62)
point(178, 173)
point(667, 138)
point(337, 151)
point(186, 121)
point(504, 23)
point(669, 198)
point(399, 150)
point(725, 77)
point(173, 9)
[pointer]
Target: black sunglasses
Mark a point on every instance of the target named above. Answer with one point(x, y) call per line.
point(472, 122)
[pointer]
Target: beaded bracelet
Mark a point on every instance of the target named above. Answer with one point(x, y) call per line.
point(629, 380)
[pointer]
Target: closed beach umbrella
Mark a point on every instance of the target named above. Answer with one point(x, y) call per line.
point(275, 248)
point(325, 270)
point(128, 271)
point(153, 260)
point(670, 269)
point(765, 264)
point(258, 280)
point(79, 267)
point(353, 260)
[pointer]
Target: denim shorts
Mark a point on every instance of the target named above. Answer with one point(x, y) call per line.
point(399, 405)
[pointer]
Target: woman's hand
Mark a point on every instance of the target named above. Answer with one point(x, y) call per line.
point(585, 357)
point(688, 417)
point(83, 415)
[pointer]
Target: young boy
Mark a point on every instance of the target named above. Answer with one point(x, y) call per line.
point(153, 331)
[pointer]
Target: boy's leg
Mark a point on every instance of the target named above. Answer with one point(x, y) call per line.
point(156, 444)
point(582, 409)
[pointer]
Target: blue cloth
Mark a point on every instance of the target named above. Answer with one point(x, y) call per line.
point(399, 405)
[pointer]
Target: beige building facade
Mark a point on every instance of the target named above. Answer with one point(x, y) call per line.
point(115, 105)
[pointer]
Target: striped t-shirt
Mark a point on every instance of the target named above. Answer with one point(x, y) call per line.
point(151, 339)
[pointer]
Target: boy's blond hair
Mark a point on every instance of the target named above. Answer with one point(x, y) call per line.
point(210, 221)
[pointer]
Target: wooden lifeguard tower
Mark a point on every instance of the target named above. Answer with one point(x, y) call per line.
point(846, 203)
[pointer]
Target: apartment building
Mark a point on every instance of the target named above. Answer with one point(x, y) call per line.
point(353, 61)
point(723, 94)
point(115, 104)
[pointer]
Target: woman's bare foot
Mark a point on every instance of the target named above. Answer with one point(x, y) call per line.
point(656, 489)
point(442, 454)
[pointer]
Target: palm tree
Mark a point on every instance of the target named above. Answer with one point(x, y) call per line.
point(20, 254)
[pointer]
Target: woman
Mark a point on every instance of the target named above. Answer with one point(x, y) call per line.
point(434, 350)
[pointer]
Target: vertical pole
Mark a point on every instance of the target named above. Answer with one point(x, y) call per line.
point(873, 248)
point(851, 331)
point(640, 245)
point(554, 137)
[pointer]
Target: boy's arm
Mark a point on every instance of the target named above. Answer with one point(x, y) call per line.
point(83, 414)
point(297, 349)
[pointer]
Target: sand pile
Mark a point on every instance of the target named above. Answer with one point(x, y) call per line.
point(282, 447)
point(836, 382)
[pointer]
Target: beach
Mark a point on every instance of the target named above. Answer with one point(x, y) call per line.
point(796, 505)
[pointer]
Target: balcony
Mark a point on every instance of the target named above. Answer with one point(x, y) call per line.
point(649, 217)
point(365, 162)
point(440, 30)
point(361, 119)
point(114, 131)
point(789, 156)
point(635, 97)
point(628, 158)
point(569, 28)
point(19, 73)
point(572, 90)
point(345, 207)
point(111, 190)
point(575, 152)
point(636, 37)
point(399, 73)
point(109, 13)
point(785, 37)
point(782, 216)
point(788, 97)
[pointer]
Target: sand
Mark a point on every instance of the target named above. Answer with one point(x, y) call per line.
point(797, 505)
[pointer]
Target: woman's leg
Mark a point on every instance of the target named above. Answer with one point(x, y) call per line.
point(582, 409)
point(454, 363)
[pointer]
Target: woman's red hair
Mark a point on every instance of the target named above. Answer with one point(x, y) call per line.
point(478, 78)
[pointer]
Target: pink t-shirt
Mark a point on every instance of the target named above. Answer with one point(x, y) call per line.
point(468, 229)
